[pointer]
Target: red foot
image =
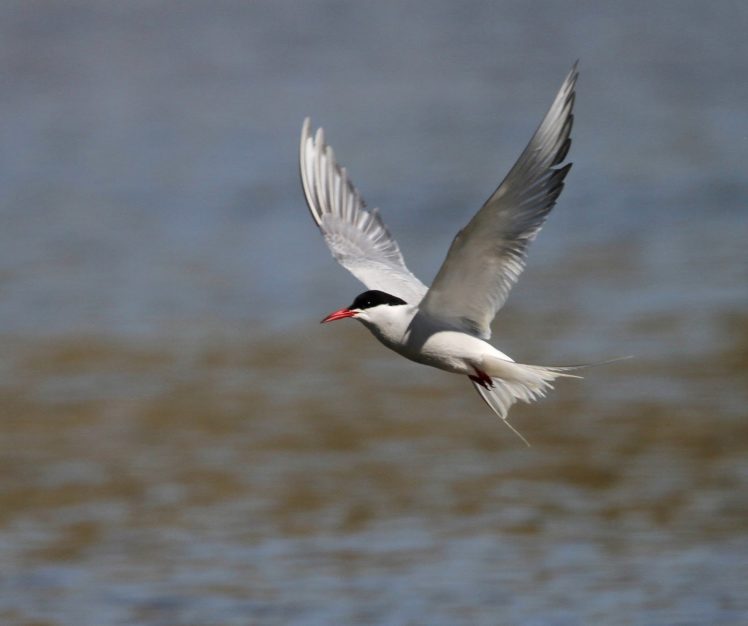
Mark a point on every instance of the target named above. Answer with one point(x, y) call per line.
point(483, 379)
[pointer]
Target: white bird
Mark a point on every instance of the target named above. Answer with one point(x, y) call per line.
point(448, 325)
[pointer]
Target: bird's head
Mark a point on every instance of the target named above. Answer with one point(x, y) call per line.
point(367, 307)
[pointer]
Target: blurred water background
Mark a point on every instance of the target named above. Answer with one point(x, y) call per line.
point(181, 443)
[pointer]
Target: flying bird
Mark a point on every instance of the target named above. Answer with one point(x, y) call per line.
point(448, 325)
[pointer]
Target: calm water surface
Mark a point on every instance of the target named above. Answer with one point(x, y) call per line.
point(181, 443)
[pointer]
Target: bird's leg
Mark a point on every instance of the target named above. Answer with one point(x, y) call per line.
point(483, 379)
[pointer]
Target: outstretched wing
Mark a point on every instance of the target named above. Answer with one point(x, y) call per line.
point(488, 255)
point(357, 238)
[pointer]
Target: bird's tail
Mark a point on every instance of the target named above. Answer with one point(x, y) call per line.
point(512, 381)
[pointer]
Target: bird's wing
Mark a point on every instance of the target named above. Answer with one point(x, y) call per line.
point(488, 255)
point(357, 238)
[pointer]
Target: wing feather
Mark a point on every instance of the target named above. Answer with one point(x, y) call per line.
point(357, 238)
point(488, 255)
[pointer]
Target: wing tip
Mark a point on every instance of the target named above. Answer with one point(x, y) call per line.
point(305, 163)
point(573, 74)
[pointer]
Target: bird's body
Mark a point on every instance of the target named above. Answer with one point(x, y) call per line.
point(447, 326)
point(421, 338)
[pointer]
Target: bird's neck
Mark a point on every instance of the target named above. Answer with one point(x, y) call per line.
point(391, 323)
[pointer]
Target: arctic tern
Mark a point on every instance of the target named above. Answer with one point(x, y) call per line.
point(448, 325)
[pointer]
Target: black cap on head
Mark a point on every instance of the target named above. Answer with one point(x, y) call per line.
point(373, 298)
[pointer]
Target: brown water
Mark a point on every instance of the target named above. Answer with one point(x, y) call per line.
point(233, 481)
point(181, 443)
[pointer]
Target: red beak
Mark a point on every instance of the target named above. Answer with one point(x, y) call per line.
point(338, 315)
